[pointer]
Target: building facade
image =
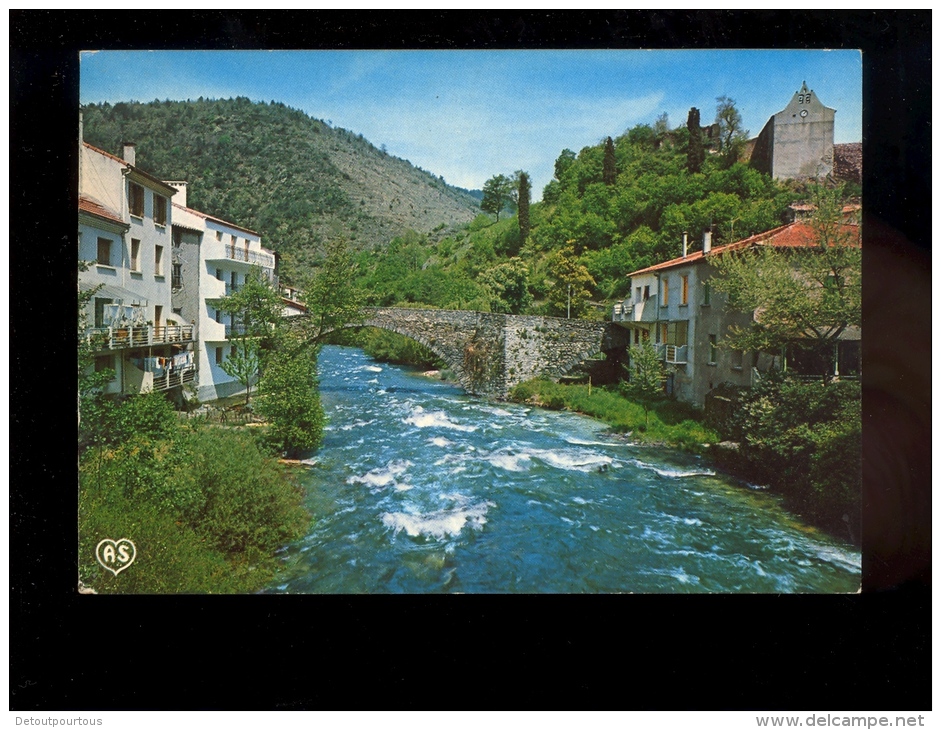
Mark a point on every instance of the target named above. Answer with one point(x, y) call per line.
point(211, 258)
point(124, 244)
point(797, 142)
point(675, 306)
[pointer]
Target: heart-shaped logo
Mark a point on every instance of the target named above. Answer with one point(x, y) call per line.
point(115, 555)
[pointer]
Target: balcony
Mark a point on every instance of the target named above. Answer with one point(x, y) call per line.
point(228, 252)
point(673, 354)
point(119, 338)
point(173, 378)
point(644, 311)
point(234, 330)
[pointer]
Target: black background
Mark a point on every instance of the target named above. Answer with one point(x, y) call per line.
point(869, 651)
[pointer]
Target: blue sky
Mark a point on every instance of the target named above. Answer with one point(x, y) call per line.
point(468, 115)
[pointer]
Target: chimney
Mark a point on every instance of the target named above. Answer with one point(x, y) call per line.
point(684, 244)
point(707, 242)
point(180, 185)
point(129, 156)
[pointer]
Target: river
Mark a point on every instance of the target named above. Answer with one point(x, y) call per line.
point(419, 488)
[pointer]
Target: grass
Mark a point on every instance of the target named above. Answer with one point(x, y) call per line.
point(670, 422)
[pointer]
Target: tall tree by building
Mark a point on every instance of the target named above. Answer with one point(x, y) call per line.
point(732, 135)
point(522, 203)
point(695, 154)
point(497, 191)
point(609, 172)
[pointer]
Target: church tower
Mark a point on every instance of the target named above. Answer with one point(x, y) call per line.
point(797, 142)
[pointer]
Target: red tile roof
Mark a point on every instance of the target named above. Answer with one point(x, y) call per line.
point(95, 208)
point(213, 218)
point(169, 189)
point(792, 235)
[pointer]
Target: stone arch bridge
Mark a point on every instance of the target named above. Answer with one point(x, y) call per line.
point(490, 353)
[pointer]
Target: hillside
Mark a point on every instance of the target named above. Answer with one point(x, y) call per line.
point(296, 180)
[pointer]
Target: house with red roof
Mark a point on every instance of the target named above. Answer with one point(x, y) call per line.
point(124, 241)
point(676, 307)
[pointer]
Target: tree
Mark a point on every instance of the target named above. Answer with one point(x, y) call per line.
point(333, 301)
point(646, 376)
point(508, 286)
point(571, 284)
point(609, 170)
point(732, 136)
point(497, 192)
point(522, 204)
point(243, 363)
point(695, 154)
point(564, 162)
point(255, 332)
point(290, 401)
point(661, 127)
point(808, 295)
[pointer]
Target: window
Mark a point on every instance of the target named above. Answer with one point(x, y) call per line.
point(713, 350)
point(684, 292)
point(104, 251)
point(177, 282)
point(646, 292)
point(218, 235)
point(100, 305)
point(158, 316)
point(135, 254)
point(160, 210)
point(666, 292)
point(177, 237)
point(738, 358)
point(158, 260)
point(235, 282)
point(682, 329)
point(219, 316)
point(664, 333)
point(219, 355)
point(706, 294)
point(135, 199)
point(219, 274)
point(637, 296)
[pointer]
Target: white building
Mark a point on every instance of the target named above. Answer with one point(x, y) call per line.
point(211, 258)
point(124, 223)
point(675, 307)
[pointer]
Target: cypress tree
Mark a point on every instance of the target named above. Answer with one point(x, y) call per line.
point(610, 171)
point(695, 154)
point(523, 206)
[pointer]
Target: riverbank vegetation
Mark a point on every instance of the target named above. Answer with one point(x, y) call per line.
point(660, 421)
point(802, 440)
point(205, 506)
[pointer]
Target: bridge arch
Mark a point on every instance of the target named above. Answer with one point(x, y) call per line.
point(490, 353)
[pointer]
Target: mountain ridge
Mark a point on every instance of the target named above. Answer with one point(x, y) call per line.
point(297, 180)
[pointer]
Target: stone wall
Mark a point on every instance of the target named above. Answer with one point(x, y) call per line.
point(490, 353)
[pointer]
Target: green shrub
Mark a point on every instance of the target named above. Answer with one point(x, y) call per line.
point(289, 400)
point(206, 510)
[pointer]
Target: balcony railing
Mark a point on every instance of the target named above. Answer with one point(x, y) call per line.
point(117, 338)
point(260, 258)
point(234, 330)
point(173, 378)
point(675, 354)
